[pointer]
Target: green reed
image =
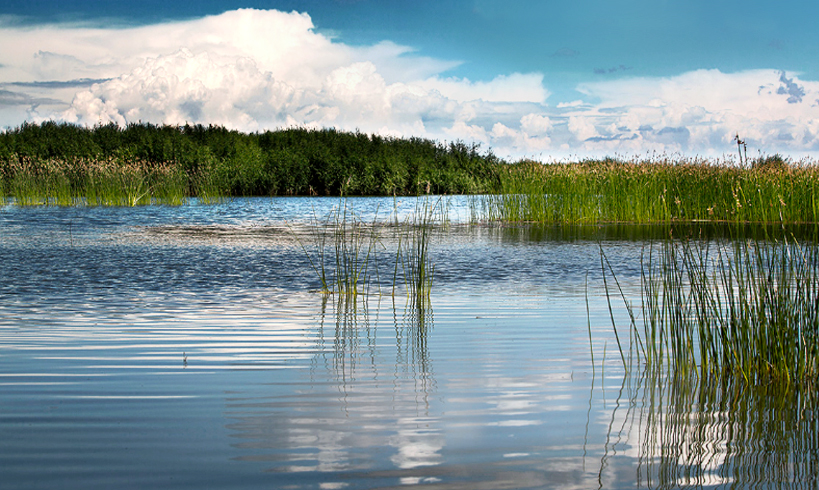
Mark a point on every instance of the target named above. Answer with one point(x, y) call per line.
point(413, 253)
point(91, 182)
point(283, 162)
point(743, 309)
point(659, 190)
point(342, 251)
point(345, 251)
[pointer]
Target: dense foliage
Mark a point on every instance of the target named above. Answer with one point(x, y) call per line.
point(38, 159)
point(65, 164)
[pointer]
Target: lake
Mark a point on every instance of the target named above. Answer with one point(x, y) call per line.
point(189, 347)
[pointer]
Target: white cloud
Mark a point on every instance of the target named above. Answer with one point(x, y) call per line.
point(250, 70)
point(535, 124)
point(513, 88)
point(701, 111)
point(469, 132)
point(263, 69)
point(582, 127)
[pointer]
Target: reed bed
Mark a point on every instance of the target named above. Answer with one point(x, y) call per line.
point(659, 190)
point(745, 310)
point(48, 161)
point(91, 182)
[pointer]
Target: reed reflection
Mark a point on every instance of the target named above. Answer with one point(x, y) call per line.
point(412, 348)
point(727, 352)
point(371, 385)
point(648, 233)
point(682, 431)
point(356, 350)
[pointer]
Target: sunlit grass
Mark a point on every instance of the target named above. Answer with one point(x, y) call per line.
point(112, 182)
point(658, 190)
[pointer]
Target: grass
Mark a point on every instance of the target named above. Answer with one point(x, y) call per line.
point(344, 251)
point(61, 164)
point(341, 252)
point(744, 310)
point(413, 254)
point(656, 191)
point(721, 359)
point(112, 182)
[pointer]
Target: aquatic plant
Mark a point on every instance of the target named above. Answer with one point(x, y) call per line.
point(413, 250)
point(740, 146)
point(743, 309)
point(345, 251)
point(659, 190)
point(341, 252)
point(111, 182)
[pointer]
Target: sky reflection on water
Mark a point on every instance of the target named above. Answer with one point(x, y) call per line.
point(141, 348)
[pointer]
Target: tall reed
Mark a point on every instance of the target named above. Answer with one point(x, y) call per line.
point(413, 249)
point(345, 252)
point(741, 309)
point(110, 182)
point(342, 251)
point(660, 190)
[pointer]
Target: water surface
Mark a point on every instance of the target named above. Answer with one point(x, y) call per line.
point(187, 347)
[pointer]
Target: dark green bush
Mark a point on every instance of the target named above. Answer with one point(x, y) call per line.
point(285, 162)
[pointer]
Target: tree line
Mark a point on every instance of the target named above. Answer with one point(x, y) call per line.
point(293, 161)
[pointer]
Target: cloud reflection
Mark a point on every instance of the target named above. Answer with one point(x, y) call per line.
point(357, 397)
point(685, 432)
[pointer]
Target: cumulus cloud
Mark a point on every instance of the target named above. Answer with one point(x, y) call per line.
point(513, 88)
point(264, 69)
point(250, 69)
point(696, 112)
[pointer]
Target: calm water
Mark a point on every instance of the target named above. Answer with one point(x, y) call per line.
point(186, 347)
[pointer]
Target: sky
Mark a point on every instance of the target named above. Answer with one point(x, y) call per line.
point(540, 79)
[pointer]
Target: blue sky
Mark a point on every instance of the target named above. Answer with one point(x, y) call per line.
point(543, 79)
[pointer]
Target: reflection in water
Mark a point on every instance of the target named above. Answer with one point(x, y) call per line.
point(684, 432)
point(180, 348)
point(363, 397)
point(649, 232)
point(355, 339)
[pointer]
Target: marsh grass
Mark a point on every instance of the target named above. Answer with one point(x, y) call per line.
point(341, 252)
point(659, 190)
point(293, 161)
point(91, 182)
point(349, 254)
point(413, 253)
point(745, 310)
